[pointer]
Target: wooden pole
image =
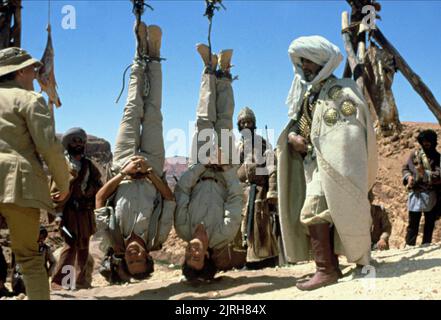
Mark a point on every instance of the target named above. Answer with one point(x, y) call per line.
point(417, 83)
point(10, 12)
point(16, 29)
point(5, 23)
point(353, 61)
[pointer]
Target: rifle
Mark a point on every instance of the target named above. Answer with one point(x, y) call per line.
point(250, 212)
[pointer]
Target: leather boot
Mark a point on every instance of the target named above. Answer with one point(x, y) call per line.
point(154, 39)
point(335, 256)
point(225, 60)
point(326, 273)
point(204, 51)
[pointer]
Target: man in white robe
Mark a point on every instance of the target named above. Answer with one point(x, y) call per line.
point(327, 162)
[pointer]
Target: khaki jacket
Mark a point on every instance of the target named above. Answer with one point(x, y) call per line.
point(26, 130)
point(137, 207)
point(214, 199)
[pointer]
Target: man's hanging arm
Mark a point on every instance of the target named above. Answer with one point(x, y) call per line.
point(160, 185)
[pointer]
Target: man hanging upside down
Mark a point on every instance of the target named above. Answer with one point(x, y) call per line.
point(137, 205)
point(209, 195)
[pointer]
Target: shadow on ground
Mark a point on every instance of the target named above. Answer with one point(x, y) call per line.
point(220, 288)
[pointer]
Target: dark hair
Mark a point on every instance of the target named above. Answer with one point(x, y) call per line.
point(7, 77)
point(206, 273)
point(428, 135)
point(143, 275)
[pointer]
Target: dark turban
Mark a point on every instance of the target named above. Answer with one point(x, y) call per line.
point(72, 134)
point(428, 135)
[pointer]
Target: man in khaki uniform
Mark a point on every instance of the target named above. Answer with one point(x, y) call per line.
point(136, 206)
point(27, 129)
point(209, 196)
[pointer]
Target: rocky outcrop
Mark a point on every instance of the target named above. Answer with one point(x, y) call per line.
point(174, 168)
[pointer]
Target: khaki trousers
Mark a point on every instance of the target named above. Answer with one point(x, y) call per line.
point(140, 130)
point(24, 228)
point(214, 114)
point(315, 211)
point(315, 208)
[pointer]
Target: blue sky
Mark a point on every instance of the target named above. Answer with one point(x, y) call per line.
point(90, 59)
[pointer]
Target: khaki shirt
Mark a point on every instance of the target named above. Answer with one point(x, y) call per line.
point(212, 198)
point(138, 208)
point(27, 129)
point(134, 203)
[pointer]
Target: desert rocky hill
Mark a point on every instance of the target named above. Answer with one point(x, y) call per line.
point(174, 167)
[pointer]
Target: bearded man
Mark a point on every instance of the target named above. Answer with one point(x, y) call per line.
point(76, 213)
point(422, 176)
point(327, 162)
point(258, 178)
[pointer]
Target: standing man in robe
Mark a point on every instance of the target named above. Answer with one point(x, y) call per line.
point(422, 177)
point(76, 213)
point(259, 180)
point(327, 163)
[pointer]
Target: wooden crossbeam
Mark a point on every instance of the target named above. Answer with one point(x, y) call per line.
point(417, 83)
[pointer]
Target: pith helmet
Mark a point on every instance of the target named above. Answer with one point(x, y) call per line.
point(14, 59)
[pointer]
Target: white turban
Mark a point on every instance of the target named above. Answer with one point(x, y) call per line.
point(318, 50)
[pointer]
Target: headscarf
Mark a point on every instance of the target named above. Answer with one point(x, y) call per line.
point(246, 113)
point(428, 135)
point(320, 51)
point(71, 134)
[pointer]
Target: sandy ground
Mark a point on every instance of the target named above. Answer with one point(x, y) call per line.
point(412, 273)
